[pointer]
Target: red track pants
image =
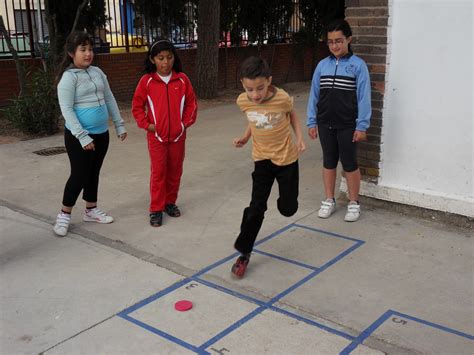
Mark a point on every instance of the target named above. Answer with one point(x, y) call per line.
point(166, 170)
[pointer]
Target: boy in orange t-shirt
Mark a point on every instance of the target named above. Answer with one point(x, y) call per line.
point(270, 115)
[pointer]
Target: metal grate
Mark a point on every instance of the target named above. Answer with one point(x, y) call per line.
point(51, 151)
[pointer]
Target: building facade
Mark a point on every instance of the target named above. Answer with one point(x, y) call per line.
point(421, 151)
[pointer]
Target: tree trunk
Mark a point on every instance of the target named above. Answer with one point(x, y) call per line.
point(208, 48)
point(20, 70)
point(52, 30)
point(78, 14)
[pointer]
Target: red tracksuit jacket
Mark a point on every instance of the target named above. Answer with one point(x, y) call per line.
point(171, 108)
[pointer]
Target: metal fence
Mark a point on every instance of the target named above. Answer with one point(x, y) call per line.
point(26, 24)
point(126, 29)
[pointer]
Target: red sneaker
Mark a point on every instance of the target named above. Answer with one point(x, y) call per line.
point(240, 265)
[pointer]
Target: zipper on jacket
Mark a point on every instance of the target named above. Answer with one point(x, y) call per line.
point(169, 113)
point(335, 71)
point(334, 81)
point(90, 77)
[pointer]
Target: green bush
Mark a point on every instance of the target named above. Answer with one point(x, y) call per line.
point(37, 110)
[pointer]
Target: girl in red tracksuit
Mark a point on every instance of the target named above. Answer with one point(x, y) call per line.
point(164, 104)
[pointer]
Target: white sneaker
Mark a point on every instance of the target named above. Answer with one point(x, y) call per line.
point(62, 223)
point(96, 215)
point(328, 207)
point(353, 212)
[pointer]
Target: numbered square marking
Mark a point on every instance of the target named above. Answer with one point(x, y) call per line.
point(273, 333)
point(265, 275)
point(212, 312)
point(306, 246)
point(426, 337)
point(117, 335)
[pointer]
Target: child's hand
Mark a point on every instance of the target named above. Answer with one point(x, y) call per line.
point(90, 146)
point(301, 146)
point(123, 136)
point(359, 136)
point(240, 142)
point(313, 133)
point(151, 128)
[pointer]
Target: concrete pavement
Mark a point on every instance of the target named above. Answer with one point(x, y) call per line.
point(389, 283)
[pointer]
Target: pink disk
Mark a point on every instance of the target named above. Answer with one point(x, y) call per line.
point(183, 305)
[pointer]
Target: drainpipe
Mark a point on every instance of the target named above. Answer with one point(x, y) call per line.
point(125, 26)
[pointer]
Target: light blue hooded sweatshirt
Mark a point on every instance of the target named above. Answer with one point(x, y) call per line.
point(86, 101)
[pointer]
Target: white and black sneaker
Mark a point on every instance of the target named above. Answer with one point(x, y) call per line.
point(328, 207)
point(353, 212)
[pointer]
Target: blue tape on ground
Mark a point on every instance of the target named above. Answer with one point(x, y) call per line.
point(328, 233)
point(160, 333)
point(366, 333)
point(154, 297)
point(434, 325)
point(312, 322)
point(290, 261)
point(229, 291)
point(231, 328)
point(261, 304)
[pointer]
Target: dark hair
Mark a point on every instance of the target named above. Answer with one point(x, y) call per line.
point(255, 67)
point(74, 40)
point(340, 25)
point(155, 48)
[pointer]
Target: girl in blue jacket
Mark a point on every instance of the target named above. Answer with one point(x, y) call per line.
point(86, 103)
point(339, 111)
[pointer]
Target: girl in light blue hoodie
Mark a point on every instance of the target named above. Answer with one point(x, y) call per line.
point(86, 103)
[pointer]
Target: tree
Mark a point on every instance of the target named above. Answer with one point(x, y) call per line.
point(20, 70)
point(264, 22)
point(63, 15)
point(316, 15)
point(35, 110)
point(208, 48)
point(162, 18)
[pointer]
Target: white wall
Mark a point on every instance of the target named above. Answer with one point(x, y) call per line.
point(427, 135)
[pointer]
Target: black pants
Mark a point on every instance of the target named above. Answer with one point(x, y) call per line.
point(337, 144)
point(263, 177)
point(85, 167)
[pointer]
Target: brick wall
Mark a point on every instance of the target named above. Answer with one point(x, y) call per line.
point(9, 87)
point(369, 22)
point(289, 64)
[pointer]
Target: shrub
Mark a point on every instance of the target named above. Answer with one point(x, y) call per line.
point(37, 110)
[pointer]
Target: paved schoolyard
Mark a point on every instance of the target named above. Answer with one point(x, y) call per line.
point(389, 283)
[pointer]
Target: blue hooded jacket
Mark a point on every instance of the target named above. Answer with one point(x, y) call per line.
point(86, 102)
point(340, 94)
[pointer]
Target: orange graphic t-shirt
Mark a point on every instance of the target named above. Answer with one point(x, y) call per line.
point(271, 128)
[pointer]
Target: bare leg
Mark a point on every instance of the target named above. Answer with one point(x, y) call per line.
point(329, 179)
point(67, 209)
point(353, 184)
point(91, 204)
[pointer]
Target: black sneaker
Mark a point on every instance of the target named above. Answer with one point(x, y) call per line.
point(240, 265)
point(156, 219)
point(172, 210)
